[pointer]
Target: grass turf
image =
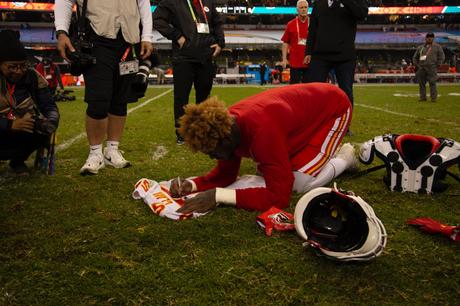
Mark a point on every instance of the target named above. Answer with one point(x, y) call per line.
point(67, 239)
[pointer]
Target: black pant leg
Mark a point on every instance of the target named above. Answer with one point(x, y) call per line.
point(318, 70)
point(203, 81)
point(183, 78)
point(345, 73)
point(18, 146)
point(304, 75)
point(294, 76)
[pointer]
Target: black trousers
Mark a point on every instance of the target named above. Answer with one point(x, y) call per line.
point(106, 92)
point(186, 74)
point(298, 75)
point(18, 146)
point(344, 71)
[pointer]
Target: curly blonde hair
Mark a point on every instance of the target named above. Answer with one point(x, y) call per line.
point(204, 125)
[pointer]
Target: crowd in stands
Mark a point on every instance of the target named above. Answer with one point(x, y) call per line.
point(293, 2)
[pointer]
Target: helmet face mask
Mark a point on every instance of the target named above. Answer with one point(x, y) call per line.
point(338, 225)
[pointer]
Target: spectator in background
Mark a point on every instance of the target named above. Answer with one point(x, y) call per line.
point(263, 69)
point(113, 30)
point(51, 72)
point(196, 31)
point(28, 113)
point(294, 42)
point(427, 59)
point(331, 41)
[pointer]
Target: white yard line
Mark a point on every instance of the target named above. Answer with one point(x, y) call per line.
point(406, 115)
point(66, 144)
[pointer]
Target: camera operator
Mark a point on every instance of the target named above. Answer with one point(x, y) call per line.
point(28, 113)
point(196, 31)
point(113, 31)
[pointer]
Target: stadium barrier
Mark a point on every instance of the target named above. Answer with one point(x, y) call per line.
point(400, 77)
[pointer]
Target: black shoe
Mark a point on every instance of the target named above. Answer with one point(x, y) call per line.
point(349, 132)
point(180, 141)
point(19, 168)
point(422, 100)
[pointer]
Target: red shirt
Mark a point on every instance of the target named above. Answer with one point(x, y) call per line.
point(275, 125)
point(291, 36)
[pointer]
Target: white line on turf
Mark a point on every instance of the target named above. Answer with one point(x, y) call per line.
point(406, 115)
point(65, 145)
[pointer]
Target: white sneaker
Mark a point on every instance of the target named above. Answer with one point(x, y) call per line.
point(94, 162)
point(347, 153)
point(115, 159)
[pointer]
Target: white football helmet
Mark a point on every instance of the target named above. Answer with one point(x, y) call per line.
point(339, 225)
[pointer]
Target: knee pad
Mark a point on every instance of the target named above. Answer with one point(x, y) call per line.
point(97, 111)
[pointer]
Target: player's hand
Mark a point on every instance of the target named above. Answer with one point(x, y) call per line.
point(146, 49)
point(307, 59)
point(181, 42)
point(284, 63)
point(180, 187)
point(217, 49)
point(63, 44)
point(201, 203)
point(25, 124)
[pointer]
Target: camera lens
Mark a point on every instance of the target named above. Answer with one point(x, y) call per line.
point(141, 79)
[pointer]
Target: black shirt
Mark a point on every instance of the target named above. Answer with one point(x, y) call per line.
point(332, 29)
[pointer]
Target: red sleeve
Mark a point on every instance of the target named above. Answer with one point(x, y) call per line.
point(222, 175)
point(286, 36)
point(272, 158)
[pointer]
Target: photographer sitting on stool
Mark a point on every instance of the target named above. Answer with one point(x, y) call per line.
point(28, 113)
point(112, 32)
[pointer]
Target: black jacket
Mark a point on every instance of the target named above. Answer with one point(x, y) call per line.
point(34, 86)
point(172, 18)
point(332, 30)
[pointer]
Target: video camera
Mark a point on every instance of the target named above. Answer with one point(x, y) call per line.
point(80, 59)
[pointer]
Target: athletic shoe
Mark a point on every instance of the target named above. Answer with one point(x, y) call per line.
point(179, 140)
point(93, 164)
point(115, 158)
point(347, 153)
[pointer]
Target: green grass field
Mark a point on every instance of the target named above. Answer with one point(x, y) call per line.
point(73, 240)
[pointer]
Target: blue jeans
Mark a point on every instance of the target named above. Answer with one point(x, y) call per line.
point(344, 71)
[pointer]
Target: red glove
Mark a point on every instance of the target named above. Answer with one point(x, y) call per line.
point(432, 226)
point(275, 218)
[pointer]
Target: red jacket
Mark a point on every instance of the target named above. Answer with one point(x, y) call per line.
point(275, 125)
